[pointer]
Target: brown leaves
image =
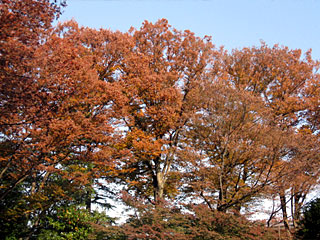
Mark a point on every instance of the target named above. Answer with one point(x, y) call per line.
point(279, 74)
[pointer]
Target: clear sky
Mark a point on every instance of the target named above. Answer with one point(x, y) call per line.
point(232, 23)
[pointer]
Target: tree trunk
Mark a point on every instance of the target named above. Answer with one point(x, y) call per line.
point(88, 200)
point(159, 187)
point(34, 183)
point(284, 209)
point(221, 205)
point(296, 205)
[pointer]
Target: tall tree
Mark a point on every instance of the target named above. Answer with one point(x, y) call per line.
point(283, 79)
point(55, 121)
point(236, 148)
point(159, 77)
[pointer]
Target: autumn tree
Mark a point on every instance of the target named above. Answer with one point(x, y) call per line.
point(285, 81)
point(23, 26)
point(158, 78)
point(55, 120)
point(235, 148)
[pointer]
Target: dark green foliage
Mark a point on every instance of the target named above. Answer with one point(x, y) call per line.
point(310, 224)
point(11, 224)
point(73, 223)
point(67, 223)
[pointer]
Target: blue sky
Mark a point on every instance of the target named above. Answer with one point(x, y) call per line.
point(232, 23)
